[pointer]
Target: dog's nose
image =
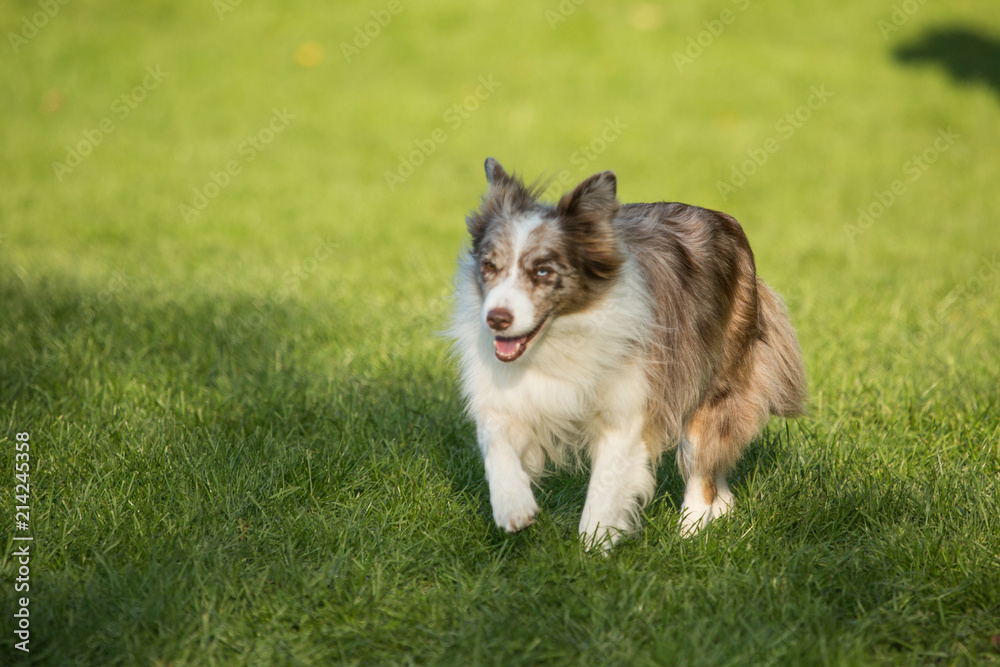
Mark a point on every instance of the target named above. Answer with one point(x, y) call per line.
point(499, 319)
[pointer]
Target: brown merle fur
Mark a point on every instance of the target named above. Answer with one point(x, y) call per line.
point(722, 355)
point(576, 239)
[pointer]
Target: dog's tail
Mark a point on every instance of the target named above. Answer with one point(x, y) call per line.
point(779, 366)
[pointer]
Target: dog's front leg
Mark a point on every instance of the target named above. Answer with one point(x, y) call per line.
point(621, 482)
point(503, 447)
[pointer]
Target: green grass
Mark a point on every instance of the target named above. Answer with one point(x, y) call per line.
point(247, 444)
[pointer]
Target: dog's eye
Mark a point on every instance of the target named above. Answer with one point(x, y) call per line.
point(542, 272)
point(489, 267)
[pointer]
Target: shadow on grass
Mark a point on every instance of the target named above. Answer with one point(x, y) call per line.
point(217, 366)
point(195, 446)
point(208, 460)
point(967, 54)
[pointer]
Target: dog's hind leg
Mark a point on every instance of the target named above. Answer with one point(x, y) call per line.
point(704, 492)
point(720, 429)
point(715, 438)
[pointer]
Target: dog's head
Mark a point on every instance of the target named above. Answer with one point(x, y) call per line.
point(534, 261)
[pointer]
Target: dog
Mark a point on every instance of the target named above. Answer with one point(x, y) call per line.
point(613, 333)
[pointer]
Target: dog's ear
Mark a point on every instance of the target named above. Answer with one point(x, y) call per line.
point(495, 175)
point(594, 198)
point(502, 189)
point(586, 214)
point(506, 195)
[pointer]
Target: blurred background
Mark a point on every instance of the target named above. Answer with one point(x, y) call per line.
point(365, 127)
point(208, 148)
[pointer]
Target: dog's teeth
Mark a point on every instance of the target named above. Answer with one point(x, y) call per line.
point(507, 347)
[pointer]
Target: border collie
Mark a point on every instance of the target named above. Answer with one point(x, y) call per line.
point(592, 329)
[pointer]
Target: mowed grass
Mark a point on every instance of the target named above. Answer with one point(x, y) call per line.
point(247, 443)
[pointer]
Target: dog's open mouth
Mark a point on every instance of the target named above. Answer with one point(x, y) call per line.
point(509, 349)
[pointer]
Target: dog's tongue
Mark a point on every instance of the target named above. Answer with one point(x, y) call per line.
point(509, 349)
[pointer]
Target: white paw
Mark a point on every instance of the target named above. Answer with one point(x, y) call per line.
point(694, 517)
point(599, 538)
point(514, 508)
point(723, 501)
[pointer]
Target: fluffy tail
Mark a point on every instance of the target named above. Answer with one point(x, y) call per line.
point(779, 359)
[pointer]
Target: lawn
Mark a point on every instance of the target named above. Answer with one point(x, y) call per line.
point(227, 236)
